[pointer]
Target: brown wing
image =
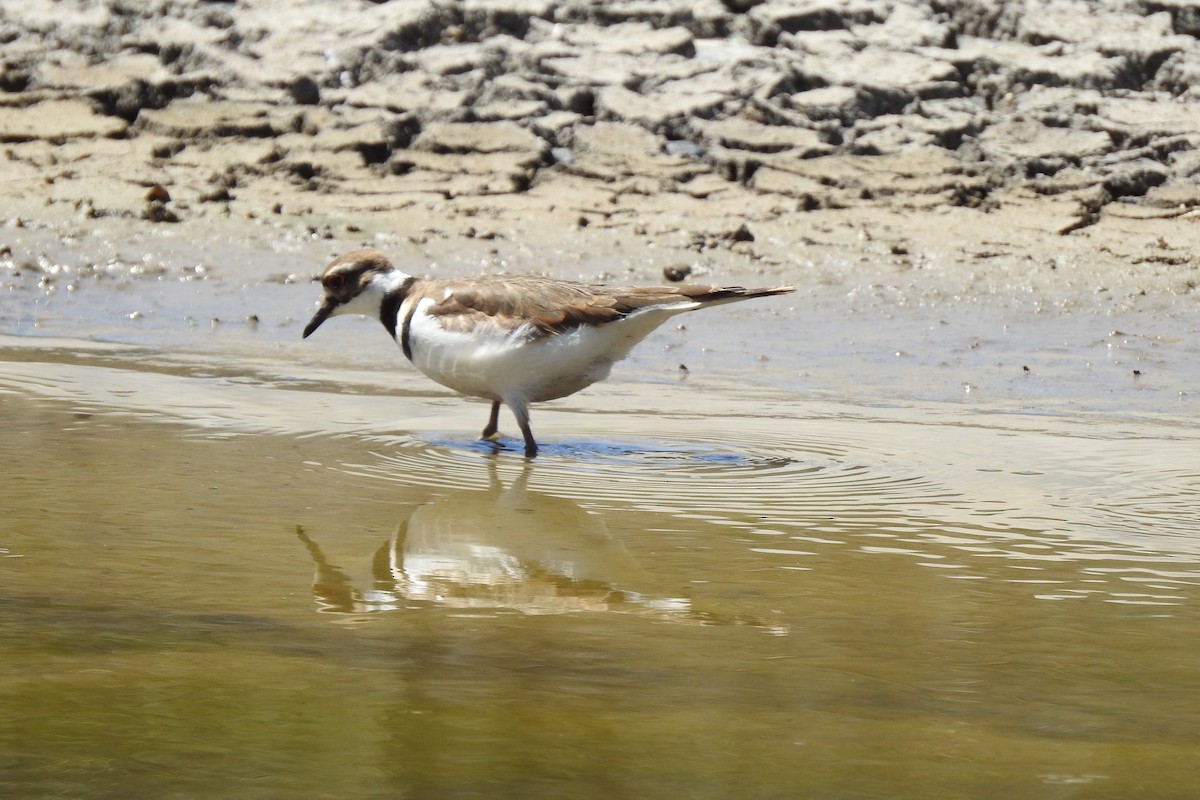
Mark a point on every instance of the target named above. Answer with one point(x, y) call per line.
point(553, 306)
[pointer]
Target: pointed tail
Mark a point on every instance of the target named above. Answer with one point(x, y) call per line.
point(716, 295)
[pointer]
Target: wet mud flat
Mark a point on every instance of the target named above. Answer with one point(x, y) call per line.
point(782, 131)
point(179, 172)
point(929, 523)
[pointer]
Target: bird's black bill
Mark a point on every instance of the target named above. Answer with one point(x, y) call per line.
point(323, 313)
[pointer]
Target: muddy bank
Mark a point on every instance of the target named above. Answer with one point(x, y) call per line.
point(727, 123)
point(177, 171)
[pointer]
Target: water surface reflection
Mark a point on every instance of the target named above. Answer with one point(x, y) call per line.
point(499, 547)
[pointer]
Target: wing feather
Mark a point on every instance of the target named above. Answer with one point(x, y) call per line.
point(551, 306)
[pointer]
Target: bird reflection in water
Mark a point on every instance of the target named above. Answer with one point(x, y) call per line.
point(498, 548)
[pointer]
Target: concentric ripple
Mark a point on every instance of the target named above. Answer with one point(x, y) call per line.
point(771, 480)
point(1166, 505)
point(859, 486)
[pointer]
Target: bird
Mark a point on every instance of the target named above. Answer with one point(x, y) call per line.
point(514, 340)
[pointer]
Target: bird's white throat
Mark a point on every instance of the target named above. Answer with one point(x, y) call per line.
point(370, 299)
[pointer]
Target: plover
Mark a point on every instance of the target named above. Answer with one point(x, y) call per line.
point(512, 340)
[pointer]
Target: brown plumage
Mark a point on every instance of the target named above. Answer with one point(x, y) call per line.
point(552, 306)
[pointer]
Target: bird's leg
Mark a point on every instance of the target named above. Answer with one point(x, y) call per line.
point(493, 424)
point(521, 412)
point(531, 448)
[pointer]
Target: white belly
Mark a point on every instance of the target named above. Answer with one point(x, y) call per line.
point(500, 365)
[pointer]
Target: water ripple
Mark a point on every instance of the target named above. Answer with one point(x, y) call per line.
point(722, 481)
point(794, 496)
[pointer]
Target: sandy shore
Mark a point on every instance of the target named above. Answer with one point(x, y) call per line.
point(937, 179)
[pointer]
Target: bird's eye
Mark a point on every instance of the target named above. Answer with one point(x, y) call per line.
point(335, 282)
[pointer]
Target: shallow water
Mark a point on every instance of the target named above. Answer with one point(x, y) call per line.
point(223, 582)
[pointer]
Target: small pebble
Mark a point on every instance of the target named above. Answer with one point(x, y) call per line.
point(305, 91)
point(677, 272)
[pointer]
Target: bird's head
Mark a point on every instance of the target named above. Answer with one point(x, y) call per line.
point(354, 283)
